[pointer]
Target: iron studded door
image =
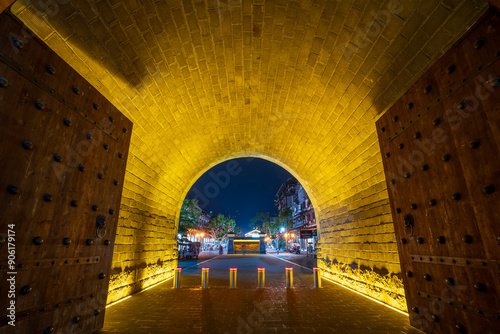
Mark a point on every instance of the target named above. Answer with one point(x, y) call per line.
point(63, 153)
point(440, 148)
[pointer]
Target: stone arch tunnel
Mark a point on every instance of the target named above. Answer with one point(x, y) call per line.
point(311, 85)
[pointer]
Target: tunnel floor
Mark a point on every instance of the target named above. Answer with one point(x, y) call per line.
point(331, 309)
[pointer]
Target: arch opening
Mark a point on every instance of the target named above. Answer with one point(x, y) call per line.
point(246, 155)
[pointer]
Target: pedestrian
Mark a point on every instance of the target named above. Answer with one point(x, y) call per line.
point(220, 249)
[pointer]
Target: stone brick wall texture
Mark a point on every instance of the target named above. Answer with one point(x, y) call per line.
point(297, 82)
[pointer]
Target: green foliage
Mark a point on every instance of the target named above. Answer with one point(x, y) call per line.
point(279, 243)
point(271, 227)
point(237, 231)
point(260, 220)
point(220, 226)
point(189, 216)
point(286, 218)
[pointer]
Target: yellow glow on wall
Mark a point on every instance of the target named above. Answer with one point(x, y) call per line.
point(375, 300)
point(387, 289)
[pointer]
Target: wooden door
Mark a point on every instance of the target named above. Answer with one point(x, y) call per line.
point(63, 153)
point(440, 145)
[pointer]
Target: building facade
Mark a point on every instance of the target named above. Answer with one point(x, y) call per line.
point(292, 195)
point(287, 194)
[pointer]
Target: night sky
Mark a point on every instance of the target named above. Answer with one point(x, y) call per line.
point(246, 185)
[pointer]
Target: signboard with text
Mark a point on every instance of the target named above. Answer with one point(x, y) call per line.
point(306, 234)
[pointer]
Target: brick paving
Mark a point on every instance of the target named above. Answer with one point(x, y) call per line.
point(331, 309)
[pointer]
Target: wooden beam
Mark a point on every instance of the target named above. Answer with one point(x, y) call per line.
point(4, 4)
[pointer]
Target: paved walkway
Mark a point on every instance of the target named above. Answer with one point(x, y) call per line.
point(247, 309)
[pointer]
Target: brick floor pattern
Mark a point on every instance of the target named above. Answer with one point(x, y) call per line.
point(331, 309)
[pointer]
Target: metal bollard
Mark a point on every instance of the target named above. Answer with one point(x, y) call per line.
point(317, 278)
point(177, 278)
point(232, 277)
point(289, 278)
point(262, 277)
point(204, 278)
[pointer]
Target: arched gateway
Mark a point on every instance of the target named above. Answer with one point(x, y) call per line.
point(317, 87)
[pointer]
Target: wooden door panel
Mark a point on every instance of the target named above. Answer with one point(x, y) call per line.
point(439, 145)
point(476, 142)
point(69, 179)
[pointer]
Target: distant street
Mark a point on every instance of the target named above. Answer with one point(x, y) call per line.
point(301, 259)
point(247, 269)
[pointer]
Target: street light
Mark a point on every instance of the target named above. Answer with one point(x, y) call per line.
point(202, 236)
point(286, 238)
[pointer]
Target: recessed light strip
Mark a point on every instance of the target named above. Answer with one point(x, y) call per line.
point(362, 294)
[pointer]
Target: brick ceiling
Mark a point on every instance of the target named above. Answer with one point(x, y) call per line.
point(297, 82)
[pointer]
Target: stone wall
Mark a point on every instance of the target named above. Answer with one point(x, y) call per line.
point(145, 251)
point(358, 247)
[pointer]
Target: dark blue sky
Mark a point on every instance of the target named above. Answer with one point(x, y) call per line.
point(246, 185)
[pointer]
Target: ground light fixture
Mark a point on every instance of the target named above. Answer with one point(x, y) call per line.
point(118, 301)
point(289, 278)
point(177, 278)
point(232, 277)
point(149, 287)
point(366, 296)
point(152, 286)
point(204, 278)
point(261, 278)
point(317, 278)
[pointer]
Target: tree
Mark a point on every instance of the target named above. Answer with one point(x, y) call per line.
point(284, 220)
point(273, 226)
point(260, 220)
point(220, 226)
point(189, 216)
point(237, 231)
